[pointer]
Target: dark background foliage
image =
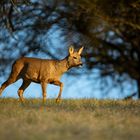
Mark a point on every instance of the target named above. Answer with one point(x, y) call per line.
point(109, 31)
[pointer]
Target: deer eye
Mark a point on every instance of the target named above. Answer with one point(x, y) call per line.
point(75, 57)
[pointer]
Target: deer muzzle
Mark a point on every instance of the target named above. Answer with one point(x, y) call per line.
point(81, 64)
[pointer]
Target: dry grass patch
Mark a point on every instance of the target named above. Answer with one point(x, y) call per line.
point(72, 119)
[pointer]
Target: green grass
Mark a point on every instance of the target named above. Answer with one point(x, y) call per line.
point(83, 119)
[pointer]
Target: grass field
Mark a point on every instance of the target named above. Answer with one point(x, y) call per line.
point(79, 119)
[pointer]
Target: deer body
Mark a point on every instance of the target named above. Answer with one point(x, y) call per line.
point(38, 70)
point(42, 71)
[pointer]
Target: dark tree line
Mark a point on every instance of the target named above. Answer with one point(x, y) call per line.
point(109, 30)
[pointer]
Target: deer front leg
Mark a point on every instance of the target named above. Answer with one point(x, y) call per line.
point(24, 85)
point(58, 83)
point(44, 93)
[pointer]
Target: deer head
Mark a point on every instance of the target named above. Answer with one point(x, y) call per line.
point(74, 58)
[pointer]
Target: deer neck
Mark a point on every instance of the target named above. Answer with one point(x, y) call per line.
point(65, 64)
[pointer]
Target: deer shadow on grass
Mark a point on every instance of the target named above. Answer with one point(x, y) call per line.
point(65, 105)
point(30, 104)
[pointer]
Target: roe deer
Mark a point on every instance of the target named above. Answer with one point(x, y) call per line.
point(43, 71)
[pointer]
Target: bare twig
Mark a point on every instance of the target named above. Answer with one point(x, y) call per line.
point(15, 7)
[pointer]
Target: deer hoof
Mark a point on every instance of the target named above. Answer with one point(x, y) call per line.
point(22, 101)
point(58, 100)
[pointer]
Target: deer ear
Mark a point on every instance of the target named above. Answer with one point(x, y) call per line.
point(80, 50)
point(71, 50)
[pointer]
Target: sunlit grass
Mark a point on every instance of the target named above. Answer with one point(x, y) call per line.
point(71, 119)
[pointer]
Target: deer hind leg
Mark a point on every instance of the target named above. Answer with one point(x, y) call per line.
point(58, 83)
point(24, 85)
point(10, 80)
point(44, 93)
point(14, 76)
